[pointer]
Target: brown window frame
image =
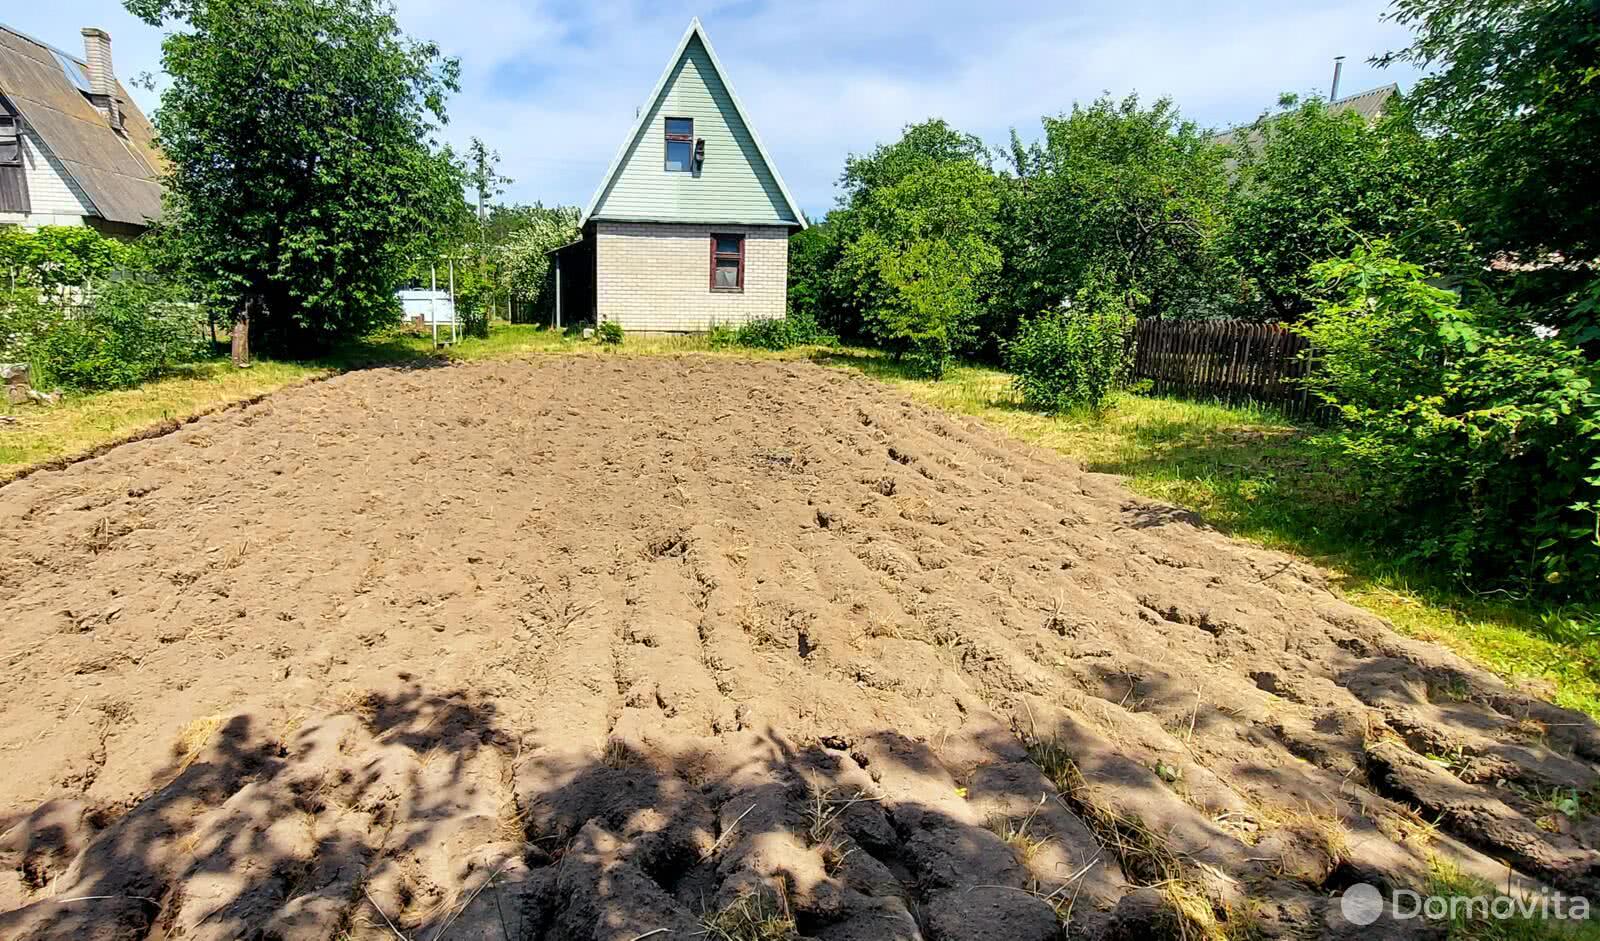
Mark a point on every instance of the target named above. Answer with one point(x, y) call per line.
point(717, 256)
point(671, 138)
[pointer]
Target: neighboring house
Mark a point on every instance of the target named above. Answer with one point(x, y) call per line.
point(74, 148)
point(1369, 104)
point(690, 225)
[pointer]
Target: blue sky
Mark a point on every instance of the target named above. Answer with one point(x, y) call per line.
point(553, 85)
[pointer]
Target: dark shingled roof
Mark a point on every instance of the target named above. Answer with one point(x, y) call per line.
point(1368, 104)
point(119, 173)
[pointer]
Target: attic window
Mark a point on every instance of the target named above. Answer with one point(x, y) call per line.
point(13, 176)
point(10, 141)
point(680, 144)
point(727, 263)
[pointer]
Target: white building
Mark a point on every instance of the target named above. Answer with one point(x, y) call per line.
point(74, 148)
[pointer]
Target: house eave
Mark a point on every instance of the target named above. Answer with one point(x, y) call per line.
point(658, 220)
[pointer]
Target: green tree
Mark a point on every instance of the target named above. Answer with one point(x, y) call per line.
point(921, 147)
point(906, 260)
point(1313, 183)
point(815, 293)
point(1513, 89)
point(920, 254)
point(1476, 441)
point(1116, 197)
point(523, 253)
point(303, 171)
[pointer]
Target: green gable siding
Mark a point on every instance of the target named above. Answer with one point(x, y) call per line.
point(734, 185)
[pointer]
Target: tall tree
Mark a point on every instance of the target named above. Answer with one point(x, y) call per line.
point(303, 169)
point(1513, 89)
point(486, 181)
point(1118, 198)
point(1313, 184)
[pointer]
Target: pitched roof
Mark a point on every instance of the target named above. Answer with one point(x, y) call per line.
point(1369, 104)
point(118, 173)
point(694, 31)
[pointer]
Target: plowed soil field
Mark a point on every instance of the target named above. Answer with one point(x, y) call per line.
point(606, 648)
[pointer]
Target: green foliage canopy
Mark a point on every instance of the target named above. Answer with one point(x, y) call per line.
point(1313, 183)
point(921, 256)
point(1478, 441)
point(303, 170)
point(1512, 89)
point(1121, 197)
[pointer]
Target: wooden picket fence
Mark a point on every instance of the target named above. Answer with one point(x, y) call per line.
point(1232, 361)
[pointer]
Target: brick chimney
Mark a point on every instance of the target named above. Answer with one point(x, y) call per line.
point(102, 80)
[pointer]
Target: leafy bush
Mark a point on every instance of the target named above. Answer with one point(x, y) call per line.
point(609, 333)
point(1075, 358)
point(919, 240)
point(1477, 441)
point(131, 332)
point(798, 329)
point(925, 311)
point(721, 336)
point(474, 317)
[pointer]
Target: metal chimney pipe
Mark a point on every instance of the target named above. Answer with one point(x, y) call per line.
point(1338, 68)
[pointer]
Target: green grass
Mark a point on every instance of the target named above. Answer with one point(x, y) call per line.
point(1256, 475)
point(1447, 881)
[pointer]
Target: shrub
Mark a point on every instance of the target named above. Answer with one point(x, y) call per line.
point(798, 329)
point(1073, 358)
point(721, 336)
point(609, 333)
point(132, 331)
point(474, 318)
point(1476, 440)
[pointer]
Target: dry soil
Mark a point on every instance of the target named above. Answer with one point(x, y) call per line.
point(605, 648)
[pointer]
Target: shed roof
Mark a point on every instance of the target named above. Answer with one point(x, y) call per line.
point(1369, 104)
point(119, 173)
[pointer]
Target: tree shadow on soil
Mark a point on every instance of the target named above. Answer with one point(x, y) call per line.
point(420, 815)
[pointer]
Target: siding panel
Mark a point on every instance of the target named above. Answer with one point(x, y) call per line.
point(54, 197)
point(734, 185)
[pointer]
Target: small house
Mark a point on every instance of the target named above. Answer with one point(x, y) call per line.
point(690, 224)
point(74, 148)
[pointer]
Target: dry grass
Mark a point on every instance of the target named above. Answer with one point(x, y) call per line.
point(1188, 912)
point(823, 811)
point(1143, 853)
point(1015, 833)
point(193, 739)
point(759, 916)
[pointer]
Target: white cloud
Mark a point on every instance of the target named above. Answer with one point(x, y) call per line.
point(553, 86)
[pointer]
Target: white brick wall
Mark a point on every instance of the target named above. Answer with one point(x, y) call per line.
point(657, 276)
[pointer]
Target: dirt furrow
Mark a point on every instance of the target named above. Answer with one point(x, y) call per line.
point(587, 648)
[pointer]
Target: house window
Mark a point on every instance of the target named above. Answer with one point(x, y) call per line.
point(727, 263)
point(680, 144)
point(10, 141)
point(13, 178)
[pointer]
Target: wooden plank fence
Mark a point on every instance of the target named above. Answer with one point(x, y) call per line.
point(1232, 361)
